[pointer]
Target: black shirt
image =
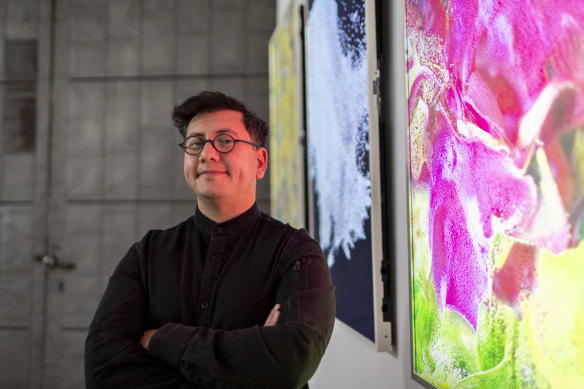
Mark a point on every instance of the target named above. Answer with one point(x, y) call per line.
point(209, 288)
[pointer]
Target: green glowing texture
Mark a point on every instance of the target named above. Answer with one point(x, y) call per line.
point(455, 349)
point(426, 315)
point(498, 377)
point(494, 333)
point(554, 316)
point(426, 324)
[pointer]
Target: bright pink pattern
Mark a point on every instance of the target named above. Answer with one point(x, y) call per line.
point(516, 275)
point(471, 184)
point(493, 81)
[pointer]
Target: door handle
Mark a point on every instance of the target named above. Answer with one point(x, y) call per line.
point(51, 261)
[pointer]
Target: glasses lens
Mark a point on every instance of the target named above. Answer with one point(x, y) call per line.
point(224, 143)
point(194, 145)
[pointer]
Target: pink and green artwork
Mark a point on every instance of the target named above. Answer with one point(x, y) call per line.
point(496, 148)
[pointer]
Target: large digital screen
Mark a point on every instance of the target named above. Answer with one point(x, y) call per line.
point(338, 153)
point(496, 159)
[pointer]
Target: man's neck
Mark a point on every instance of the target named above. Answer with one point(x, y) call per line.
point(221, 211)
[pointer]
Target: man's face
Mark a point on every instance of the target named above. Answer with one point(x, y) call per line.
point(229, 177)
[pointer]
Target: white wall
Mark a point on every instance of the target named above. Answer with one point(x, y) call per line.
point(349, 361)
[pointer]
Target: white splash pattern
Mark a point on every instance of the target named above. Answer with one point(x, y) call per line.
point(338, 113)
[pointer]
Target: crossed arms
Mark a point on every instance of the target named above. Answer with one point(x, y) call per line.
point(271, 321)
point(283, 353)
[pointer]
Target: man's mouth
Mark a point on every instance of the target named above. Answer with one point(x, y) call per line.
point(211, 173)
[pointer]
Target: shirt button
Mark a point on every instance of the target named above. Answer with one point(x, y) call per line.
point(218, 229)
point(213, 258)
point(204, 306)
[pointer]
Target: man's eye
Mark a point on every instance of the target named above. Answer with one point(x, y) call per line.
point(225, 141)
point(194, 143)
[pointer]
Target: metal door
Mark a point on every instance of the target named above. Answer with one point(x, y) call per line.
point(23, 183)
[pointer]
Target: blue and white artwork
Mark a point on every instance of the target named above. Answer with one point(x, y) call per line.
point(338, 152)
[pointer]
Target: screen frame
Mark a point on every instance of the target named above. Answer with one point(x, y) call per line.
point(381, 179)
point(381, 176)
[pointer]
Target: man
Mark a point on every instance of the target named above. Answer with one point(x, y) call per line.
point(229, 298)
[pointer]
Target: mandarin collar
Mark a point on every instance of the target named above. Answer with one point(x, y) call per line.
point(208, 227)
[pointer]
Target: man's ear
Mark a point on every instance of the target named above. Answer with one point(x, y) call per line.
point(262, 162)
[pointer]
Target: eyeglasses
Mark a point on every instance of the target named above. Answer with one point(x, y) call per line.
point(223, 143)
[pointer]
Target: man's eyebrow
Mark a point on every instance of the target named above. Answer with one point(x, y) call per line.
point(217, 132)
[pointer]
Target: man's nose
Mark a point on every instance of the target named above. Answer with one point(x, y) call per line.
point(208, 151)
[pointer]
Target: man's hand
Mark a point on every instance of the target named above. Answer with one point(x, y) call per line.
point(145, 341)
point(272, 319)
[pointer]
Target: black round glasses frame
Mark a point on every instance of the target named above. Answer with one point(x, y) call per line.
point(224, 137)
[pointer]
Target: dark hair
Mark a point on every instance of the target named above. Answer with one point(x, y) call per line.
point(206, 102)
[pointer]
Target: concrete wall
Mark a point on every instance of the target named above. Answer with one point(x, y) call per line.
point(350, 362)
point(98, 165)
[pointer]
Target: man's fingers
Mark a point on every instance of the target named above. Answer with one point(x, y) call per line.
point(272, 319)
point(145, 341)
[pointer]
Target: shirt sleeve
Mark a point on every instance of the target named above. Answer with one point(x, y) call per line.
point(114, 357)
point(282, 356)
